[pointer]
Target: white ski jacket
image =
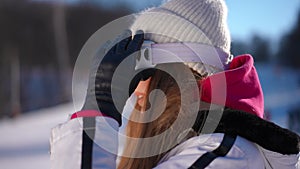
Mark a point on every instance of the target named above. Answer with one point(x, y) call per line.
point(96, 147)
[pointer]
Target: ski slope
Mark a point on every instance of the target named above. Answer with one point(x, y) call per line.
point(24, 142)
point(281, 87)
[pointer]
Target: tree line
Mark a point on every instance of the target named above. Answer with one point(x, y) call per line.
point(39, 44)
point(286, 54)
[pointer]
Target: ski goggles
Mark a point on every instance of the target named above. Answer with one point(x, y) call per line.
point(153, 54)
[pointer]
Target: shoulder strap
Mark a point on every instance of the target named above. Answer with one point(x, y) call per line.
point(200, 120)
point(221, 151)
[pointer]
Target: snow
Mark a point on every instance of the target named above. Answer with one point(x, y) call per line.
point(24, 141)
point(281, 87)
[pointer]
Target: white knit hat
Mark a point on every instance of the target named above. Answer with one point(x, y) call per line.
point(194, 21)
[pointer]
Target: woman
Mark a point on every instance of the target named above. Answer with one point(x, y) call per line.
point(229, 101)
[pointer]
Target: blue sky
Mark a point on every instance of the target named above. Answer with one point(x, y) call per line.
point(269, 18)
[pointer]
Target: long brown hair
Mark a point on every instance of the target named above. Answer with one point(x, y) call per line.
point(164, 82)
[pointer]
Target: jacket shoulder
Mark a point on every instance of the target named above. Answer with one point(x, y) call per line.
point(243, 154)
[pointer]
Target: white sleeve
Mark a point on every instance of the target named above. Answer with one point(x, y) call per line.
point(275, 160)
point(89, 142)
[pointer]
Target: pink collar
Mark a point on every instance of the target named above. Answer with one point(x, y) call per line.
point(237, 88)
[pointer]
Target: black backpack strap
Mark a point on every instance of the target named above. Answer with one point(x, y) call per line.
point(221, 151)
point(200, 121)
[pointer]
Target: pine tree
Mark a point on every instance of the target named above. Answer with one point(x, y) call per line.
point(289, 50)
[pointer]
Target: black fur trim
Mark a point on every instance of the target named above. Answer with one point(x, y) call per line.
point(264, 133)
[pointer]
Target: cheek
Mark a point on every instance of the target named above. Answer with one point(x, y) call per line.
point(141, 91)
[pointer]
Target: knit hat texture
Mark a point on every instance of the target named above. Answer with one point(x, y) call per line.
point(194, 21)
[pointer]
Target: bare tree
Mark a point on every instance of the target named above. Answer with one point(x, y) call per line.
point(62, 50)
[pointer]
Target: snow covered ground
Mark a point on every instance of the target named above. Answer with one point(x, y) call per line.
point(24, 142)
point(281, 87)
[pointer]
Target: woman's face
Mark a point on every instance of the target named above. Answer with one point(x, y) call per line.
point(141, 91)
